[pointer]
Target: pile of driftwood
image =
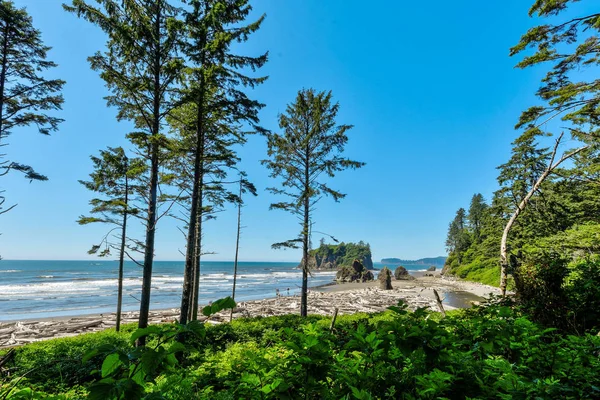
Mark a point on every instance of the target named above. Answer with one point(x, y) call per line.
point(322, 303)
point(23, 332)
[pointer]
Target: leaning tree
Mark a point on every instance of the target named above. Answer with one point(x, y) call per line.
point(308, 150)
point(565, 46)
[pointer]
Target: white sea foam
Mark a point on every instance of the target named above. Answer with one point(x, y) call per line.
point(8, 271)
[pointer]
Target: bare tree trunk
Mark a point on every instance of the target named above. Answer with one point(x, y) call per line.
point(151, 217)
point(3, 75)
point(198, 255)
point(503, 243)
point(189, 277)
point(237, 247)
point(122, 252)
point(305, 237)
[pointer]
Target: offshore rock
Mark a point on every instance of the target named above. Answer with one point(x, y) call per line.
point(385, 279)
point(402, 274)
point(356, 273)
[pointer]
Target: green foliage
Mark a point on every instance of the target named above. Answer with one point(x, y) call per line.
point(124, 373)
point(485, 352)
point(26, 97)
point(343, 254)
point(218, 305)
point(305, 156)
point(561, 293)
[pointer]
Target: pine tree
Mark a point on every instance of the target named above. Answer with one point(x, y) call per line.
point(566, 46)
point(308, 149)
point(116, 177)
point(214, 86)
point(26, 97)
point(142, 68)
point(458, 240)
point(476, 216)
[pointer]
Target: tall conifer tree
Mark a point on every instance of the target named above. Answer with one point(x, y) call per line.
point(116, 179)
point(214, 85)
point(308, 149)
point(26, 97)
point(142, 68)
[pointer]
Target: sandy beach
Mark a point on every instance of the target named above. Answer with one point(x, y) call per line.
point(347, 298)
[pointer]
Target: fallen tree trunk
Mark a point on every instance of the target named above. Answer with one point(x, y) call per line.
point(521, 206)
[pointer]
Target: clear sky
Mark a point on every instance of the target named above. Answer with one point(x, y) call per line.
point(429, 87)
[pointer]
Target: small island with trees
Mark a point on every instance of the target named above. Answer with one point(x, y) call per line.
point(335, 256)
point(179, 72)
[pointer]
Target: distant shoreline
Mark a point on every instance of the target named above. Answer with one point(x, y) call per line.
point(348, 298)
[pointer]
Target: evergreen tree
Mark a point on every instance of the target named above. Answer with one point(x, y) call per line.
point(141, 68)
point(457, 240)
point(26, 97)
point(477, 211)
point(567, 45)
point(215, 81)
point(308, 149)
point(116, 177)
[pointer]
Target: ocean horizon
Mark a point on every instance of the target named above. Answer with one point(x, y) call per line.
point(32, 289)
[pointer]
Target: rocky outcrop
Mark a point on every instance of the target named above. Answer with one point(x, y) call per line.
point(431, 269)
point(385, 279)
point(355, 273)
point(332, 257)
point(402, 274)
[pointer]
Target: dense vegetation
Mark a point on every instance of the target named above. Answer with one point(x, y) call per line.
point(341, 255)
point(485, 352)
point(542, 223)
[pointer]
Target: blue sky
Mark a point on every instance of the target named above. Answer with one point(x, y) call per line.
point(429, 87)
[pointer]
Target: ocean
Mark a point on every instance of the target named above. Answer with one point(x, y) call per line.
point(41, 289)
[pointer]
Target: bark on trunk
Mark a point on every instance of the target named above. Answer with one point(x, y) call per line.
point(189, 278)
point(305, 234)
point(151, 217)
point(237, 247)
point(122, 252)
point(198, 244)
point(503, 243)
point(3, 76)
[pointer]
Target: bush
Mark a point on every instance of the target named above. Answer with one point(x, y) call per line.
point(561, 293)
point(493, 351)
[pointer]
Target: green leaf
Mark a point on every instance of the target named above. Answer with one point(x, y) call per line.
point(219, 305)
point(197, 328)
point(111, 363)
point(105, 348)
point(152, 329)
point(103, 390)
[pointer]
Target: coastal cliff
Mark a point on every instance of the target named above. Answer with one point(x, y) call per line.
point(332, 257)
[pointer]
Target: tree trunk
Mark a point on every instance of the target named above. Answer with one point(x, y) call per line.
point(122, 252)
point(190, 267)
point(3, 76)
point(237, 247)
point(198, 244)
point(151, 217)
point(305, 237)
point(503, 243)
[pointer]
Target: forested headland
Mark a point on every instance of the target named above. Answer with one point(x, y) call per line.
point(177, 72)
